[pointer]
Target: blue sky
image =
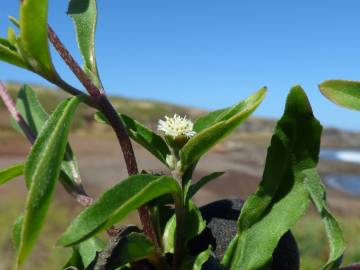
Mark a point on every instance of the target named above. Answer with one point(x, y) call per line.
point(210, 54)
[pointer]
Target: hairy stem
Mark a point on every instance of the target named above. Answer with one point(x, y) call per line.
point(103, 105)
point(75, 68)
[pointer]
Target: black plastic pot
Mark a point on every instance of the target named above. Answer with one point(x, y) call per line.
point(221, 217)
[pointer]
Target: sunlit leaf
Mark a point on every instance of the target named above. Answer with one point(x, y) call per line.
point(116, 203)
point(230, 252)
point(34, 37)
point(214, 127)
point(41, 172)
point(11, 173)
point(35, 116)
point(84, 13)
point(16, 231)
point(282, 196)
point(343, 93)
point(14, 21)
point(11, 36)
point(332, 228)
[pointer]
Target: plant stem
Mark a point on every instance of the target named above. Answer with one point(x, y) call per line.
point(104, 106)
point(73, 65)
point(178, 253)
point(77, 192)
point(180, 215)
point(11, 107)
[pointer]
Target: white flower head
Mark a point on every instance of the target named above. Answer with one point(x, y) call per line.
point(176, 126)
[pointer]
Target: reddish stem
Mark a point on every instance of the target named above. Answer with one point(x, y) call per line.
point(78, 192)
point(10, 105)
point(104, 106)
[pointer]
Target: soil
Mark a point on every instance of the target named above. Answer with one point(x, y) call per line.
point(101, 165)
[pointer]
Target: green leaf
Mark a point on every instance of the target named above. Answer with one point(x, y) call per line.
point(16, 232)
point(194, 188)
point(74, 262)
point(134, 247)
point(85, 253)
point(34, 37)
point(84, 13)
point(11, 36)
point(6, 43)
point(14, 21)
point(213, 117)
point(41, 172)
point(35, 116)
point(282, 196)
point(230, 252)
point(218, 125)
point(116, 203)
point(343, 93)
point(11, 172)
point(333, 230)
point(193, 226)
point(142, 135)
point(88, 250)
point(196, 263)
point(12, 57)
point(31, 109)
point(224, 114)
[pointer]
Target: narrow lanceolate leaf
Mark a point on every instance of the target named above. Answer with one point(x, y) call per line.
point(282, 197)
point(11, 36)
point(332, 228)
point(11, 173)
point(343, 93)
point(230, 252)
point(224, 114)
point(116, 203)
point(217, 125)
point(142, 135)
point(16, 231)
point(34, 37)
point(31, 109)
point(11, 56)
point(194, 188)
point(14, 21)
point(35, 116)
point(41, 172)
point(84, 13)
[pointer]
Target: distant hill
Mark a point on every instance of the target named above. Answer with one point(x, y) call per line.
point(149, 111)
point(145, 111)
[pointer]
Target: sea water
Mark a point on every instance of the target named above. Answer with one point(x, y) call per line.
point(344, 182)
